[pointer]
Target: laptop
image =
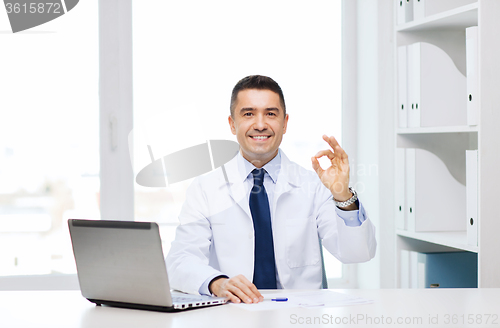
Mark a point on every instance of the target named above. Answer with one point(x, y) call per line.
point(121, 263)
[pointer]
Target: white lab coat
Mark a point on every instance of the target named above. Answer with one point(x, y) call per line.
point(216, 234)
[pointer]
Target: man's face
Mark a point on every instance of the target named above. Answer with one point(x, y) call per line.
point(259, 124)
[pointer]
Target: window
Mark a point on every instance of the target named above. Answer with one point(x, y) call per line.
point(188, 55)
point(49, 139)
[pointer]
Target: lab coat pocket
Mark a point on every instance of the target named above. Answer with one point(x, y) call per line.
point(302, 245)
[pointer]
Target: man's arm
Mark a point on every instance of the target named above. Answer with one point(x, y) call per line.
point(188, 259)
point(237, 289)
point(351, 237)
point(348, 235)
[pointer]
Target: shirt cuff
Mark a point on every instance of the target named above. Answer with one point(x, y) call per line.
point(352, 218)
point(204, 287)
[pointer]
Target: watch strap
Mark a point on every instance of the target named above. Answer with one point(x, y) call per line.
point(348, 202)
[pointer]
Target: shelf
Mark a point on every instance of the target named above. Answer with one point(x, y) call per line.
point(438, 129)
point(454, 239)
point(458, 18)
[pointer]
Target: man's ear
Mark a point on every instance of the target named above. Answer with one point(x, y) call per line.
point(231, 124)
point(286, 122)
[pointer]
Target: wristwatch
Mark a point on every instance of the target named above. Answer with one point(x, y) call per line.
point(349, 201)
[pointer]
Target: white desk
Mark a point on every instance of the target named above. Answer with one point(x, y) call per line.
point(69, 309)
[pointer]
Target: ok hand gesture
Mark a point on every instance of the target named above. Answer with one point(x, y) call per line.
point(336, 177)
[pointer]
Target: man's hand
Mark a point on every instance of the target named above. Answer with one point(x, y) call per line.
point(336, 177)
point(237, 289)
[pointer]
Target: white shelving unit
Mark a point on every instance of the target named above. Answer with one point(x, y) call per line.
point(441, 129)
point(451, 239)
point(461, 17)
point(447, 31)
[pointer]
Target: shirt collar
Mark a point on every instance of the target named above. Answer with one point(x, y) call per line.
point(272, 167)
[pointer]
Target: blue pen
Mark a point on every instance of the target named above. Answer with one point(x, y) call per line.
point(280, 299)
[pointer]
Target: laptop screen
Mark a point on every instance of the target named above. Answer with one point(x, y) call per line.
point(120, 261)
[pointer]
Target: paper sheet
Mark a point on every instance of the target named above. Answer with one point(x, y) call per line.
point(320, 298)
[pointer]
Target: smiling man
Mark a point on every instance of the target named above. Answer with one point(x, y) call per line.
point(257, 224)
point(259, 124)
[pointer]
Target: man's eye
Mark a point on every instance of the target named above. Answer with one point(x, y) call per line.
point(272, 114)
point(247, 114)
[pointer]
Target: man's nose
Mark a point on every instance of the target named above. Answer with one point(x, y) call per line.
point(260, 122)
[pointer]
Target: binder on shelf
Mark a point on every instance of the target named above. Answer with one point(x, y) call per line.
point(412, 270)
point(435, 199)
point(418, 9)
point(435, 88)
point(414, 278)
point(404, 268)
point(472, 74)
point(413, 71)
point(421, 268)
point(417, 270)
point(424, 8)
point(448, 270)
point(410, 172)
point(400, 189)
point(401, 11)
point(404, 11)
point(402, 88)
point(472, 195)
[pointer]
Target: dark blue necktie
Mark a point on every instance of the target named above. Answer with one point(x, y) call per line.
point(264, 276)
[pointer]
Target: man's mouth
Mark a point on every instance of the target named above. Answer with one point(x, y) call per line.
point(260, 138)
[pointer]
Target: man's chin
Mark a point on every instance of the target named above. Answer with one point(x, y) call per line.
point(258, 153)
point(261, 151)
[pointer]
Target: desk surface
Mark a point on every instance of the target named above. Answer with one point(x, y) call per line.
point(418, 307)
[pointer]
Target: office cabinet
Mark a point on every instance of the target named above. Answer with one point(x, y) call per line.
point(462, 119)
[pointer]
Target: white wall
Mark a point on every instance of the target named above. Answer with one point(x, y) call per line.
point(367, 109)
point(367, 152)
point(386, 142)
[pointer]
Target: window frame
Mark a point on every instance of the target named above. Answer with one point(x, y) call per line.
point(116, 121)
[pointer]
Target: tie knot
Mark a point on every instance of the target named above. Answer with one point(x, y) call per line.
point(258, 176)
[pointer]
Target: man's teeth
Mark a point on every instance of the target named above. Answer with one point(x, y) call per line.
point(260, 137)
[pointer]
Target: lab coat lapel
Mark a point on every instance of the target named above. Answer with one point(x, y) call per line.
point(236, 186)
point(287, 180)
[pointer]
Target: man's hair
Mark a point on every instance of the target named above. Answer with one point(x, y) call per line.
point(258, 82)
